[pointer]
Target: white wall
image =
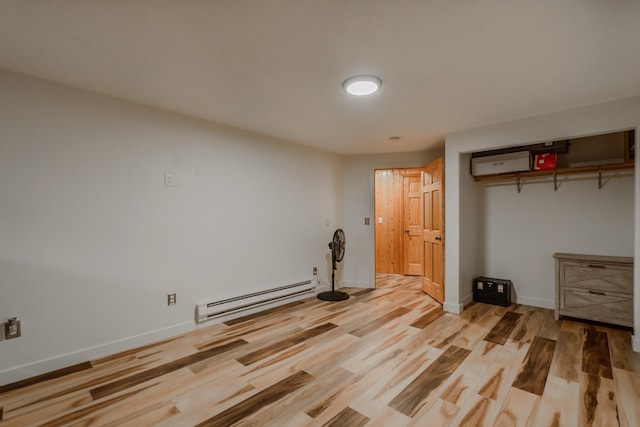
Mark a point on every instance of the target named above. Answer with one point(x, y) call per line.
point(619, 237)
point(359, 266)
point(519, 233)
point(91, 240)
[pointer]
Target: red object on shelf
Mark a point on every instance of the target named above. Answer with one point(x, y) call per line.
point(545, 161)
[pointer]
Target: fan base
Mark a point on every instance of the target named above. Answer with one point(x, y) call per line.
point(333, 296)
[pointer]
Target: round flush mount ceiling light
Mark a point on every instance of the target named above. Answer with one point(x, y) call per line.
point(362, 85)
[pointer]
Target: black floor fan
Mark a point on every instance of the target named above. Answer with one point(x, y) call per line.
point(336, 245)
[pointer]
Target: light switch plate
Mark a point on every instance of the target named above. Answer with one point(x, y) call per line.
point(169, 179)
point(171, 299)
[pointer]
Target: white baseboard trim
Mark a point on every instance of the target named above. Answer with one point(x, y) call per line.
point(322, 288)
point(635, 343)
point(356, 284)
point(452, 308)
point(536, 302)
point(532, 301)
point(467, 299)
point(65, 360)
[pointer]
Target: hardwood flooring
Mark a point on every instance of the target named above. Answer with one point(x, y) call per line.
point(386, 357)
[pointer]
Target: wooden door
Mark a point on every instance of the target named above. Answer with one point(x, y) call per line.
point(388, 221)
point(412, 226)
point(433, 233)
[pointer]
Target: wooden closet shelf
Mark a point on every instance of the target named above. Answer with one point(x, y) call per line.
point(559, 171)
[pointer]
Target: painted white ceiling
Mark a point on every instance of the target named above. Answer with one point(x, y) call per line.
point(276, 66)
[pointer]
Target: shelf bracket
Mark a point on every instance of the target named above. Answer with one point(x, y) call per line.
point(599, 178)
point(555, 180)
point(518, 183)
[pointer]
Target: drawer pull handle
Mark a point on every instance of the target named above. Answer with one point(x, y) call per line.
point(597, 293)
point(597, 266)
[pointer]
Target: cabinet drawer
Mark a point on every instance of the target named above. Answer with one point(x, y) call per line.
point(598, 276)
point(601, 306)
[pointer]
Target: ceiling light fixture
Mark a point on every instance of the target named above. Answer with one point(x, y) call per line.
point(362, 85)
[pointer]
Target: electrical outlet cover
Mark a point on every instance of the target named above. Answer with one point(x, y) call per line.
point(14, 332)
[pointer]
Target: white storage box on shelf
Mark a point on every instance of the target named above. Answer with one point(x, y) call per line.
point(519, 161)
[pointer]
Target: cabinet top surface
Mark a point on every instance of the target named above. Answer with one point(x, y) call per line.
point(594, 258)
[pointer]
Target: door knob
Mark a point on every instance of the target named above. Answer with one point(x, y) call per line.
point(406, 230)
point(438, 238)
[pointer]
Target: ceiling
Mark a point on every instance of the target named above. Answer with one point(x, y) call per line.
point(276, 67)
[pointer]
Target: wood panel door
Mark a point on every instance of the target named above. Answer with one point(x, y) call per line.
point(412, 226)
point(398, 208)
point(388, 221)
point(433, 232)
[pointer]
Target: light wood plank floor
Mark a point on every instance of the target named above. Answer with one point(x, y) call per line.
point(385, 357)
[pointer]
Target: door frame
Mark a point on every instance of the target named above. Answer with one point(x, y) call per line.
point(391, 247)
point(372, 191)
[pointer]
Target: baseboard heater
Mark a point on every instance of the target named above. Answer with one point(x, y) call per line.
point(240, 303)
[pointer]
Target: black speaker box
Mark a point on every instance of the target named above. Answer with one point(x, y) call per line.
point(492, 291)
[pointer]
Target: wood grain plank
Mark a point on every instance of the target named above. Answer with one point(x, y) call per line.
point(208, 394)
point(549, 327)
point(384, 347)
point(263, 313)
point(599, 405)
point(558, 406)
point(124, 383)
point(298, 420)
point(45, 377)
point(391, 378)
point(259, 400)
point(347, 417)
point(357, 393)
point(362, 292)
point(527, 328)
point(517, 409)
point(622, 354)
point(442, 332)
point(567, 360)
point(26, 414)
point(482, 315)
point(125, 370)
point(316, 360)
point(325, 401)
point(462, 383)
point(479, 411)
point(428, 318)
point(148, 416)
point(595, 353)
point(379, 322)
point(415, 395)
point(297, 401)
point(148, 397)
point(469, 336)
point(628, 396)
point(133, 351)
point(501, 331)
point(276, 347)
point(391, 418)
point(74, 416)
point(535, 368)
point(441, 413)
